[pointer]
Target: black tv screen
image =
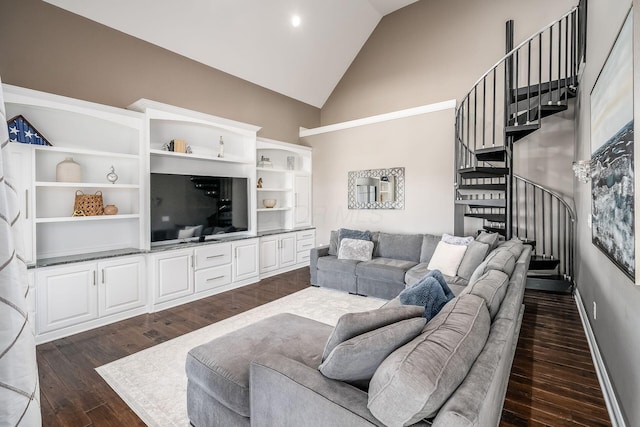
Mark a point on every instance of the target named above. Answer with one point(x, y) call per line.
point(192, 207)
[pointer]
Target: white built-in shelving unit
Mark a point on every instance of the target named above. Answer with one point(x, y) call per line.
point(96, 137)
point(287, 180)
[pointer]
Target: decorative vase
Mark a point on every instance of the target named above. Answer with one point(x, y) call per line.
point(68, 171)
point(111, 176)
point(110, 210)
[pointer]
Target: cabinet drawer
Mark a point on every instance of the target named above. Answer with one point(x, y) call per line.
point(211, 278)
point(307, 234)
point(303, 257)
point(213, 255)
point(305, 245)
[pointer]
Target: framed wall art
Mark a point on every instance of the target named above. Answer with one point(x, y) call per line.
point(612, 145)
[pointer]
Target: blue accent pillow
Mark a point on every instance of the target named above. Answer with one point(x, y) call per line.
point(345, 233)
point(428, 293)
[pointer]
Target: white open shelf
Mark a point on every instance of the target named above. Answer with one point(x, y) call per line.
point(67, 150)
point(84, 185)
point(87, 218)
point(226, 158)
point(274, 189)
point(287, 208)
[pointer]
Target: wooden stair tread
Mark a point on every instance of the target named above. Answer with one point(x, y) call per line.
point(483, 172)
point(493, 217)
point(482, 203)
point(491, 154)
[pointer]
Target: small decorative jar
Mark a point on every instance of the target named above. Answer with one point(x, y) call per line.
point(68, 171)
point(110, 210)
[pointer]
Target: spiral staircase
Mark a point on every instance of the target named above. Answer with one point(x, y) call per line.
point(534, 80)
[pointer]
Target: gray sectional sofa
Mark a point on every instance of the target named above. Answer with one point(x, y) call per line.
point(453, 373)
point(398, 260)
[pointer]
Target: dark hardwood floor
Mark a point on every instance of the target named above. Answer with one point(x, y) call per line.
point(553, 382)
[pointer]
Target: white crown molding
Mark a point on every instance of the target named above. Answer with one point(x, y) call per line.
point(415, 111)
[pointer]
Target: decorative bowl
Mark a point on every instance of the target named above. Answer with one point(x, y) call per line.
point(269, 203)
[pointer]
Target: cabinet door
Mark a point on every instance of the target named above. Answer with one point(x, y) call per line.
point(245, 262)
point(66, 296)
point(121, 286)
point(287, 250)
point(20, 175)
point(268, 254)
point(302, 208)
point(173, 275)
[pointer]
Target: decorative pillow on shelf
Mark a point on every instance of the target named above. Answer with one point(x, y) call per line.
point(353, 249)
point(447, 258)
point(358, 358)
point(457, 240)
point(353, 324)
point(427, 293)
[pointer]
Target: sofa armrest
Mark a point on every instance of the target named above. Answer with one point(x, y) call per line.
point(285, 392)
point(316, 253)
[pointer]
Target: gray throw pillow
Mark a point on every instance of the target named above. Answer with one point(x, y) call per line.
point(473, 257)
point(353, 324)
point(491, 287)
point(491, 239)
point(333, 243)
point(416, 379)
point(346, 233)
point(358, 358)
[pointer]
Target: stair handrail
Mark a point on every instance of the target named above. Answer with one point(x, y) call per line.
point(513, 51)
point(558, 196)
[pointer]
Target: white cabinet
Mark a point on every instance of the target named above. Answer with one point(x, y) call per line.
point(284, 172)
point(21, 177)
point(172, 275)
point(183, 275)
point(245, 262)
point(212, 266)
point(305, 241)
point(121, 286)
point(97, 137)
point(66, 296)
point(277, 252)
point(75, 297)
point(302, 198)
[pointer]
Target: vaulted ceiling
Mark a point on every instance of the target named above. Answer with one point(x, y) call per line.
point(254, 40)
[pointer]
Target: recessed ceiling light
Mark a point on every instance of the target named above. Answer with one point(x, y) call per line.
point(295, 21)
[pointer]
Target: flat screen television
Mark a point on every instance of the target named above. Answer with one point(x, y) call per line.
point(192, 207)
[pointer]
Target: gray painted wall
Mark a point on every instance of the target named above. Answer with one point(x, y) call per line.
point(46, 48)
point(422, 144)
point(599, 280)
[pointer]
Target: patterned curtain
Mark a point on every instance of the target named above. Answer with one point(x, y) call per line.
point(19, 390)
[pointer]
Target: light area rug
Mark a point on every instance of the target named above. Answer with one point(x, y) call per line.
point(153, 381)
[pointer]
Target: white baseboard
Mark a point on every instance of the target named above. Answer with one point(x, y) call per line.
point(617, 420)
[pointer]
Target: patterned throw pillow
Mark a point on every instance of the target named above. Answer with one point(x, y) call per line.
point(359, 250)
point(457, 240)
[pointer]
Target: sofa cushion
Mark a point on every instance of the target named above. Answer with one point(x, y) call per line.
point(503, 260)
point(429, 293)
point(417, 272)
point(353, 324)
point(359, 250)
point(332, 263)
point(473, 257)
point(514, 246)
point(491, 287)
point(429, 244)
point(492, 239)
point(447, 258)
point(416, 379)
point(224, 374)
point(384, 269)
point(358, 358)
point(399, 246)
point(333, 243)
